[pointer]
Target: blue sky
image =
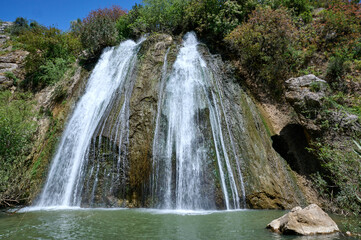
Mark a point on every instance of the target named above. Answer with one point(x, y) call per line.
point(56, 13)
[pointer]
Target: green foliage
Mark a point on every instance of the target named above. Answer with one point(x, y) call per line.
point(227, 19)
point(357, 64)
point(153, 16)
point(343, 176)
point(320, 3)
point(51, 51)
point(315, 86)
point(300, 7)
point(341, 102)
point(162, 15)
point(75, 27)
point(356, 48)
point(310, 70)
point(98, 30)
point(20, 26)
point(214, 19)
point(337, 67)
point(122, 26)
point(131, 25)
point(17, 126)
point(53, 70)
point(12, 76)
point(266, 45)
point(331, 44)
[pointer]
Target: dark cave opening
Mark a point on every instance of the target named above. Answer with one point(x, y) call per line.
point(292, 145)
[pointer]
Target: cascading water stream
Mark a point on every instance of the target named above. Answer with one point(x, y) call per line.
point(188, 136)
point(192, 168)
point(238, 166)
point(66, 176)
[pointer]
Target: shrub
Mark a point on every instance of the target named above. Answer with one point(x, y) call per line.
point(52, 71)
point(338, 65)
point(162, 15)
point(17, 126)
point(339, 25)
point(266, 45)
point(343, 175)
point(20, 26)
point(47, 46)
point(98, 29)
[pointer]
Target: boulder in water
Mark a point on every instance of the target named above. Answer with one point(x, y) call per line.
point(308, 221)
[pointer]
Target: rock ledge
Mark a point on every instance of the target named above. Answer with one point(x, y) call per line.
point(308, 221)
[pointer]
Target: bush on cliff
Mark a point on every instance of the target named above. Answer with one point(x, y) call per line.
point(47, 47)
point(98, 30)
point(20, 26)
point(17, 128)
point(214, 19)
point(265, 46)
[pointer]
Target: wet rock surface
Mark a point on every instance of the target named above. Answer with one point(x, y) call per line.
point(269, 182)
point(143, 112)
point(308, 221)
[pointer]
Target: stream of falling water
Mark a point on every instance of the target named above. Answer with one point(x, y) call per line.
point(192, 168)
point(63, 185)
point(181, 148)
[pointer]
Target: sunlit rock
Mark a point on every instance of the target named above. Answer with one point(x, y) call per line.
point(308, 221)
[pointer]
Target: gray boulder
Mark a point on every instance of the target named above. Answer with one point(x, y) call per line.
point(306, 91)
point(308, 221)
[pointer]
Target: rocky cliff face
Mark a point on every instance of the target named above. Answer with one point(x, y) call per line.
point(268, 179)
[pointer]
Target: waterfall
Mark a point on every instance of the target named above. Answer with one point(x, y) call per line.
point(194, 162)
point(189, 152)
point(66, 177)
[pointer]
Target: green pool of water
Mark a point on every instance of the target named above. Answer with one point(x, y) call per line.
point(142, 224)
